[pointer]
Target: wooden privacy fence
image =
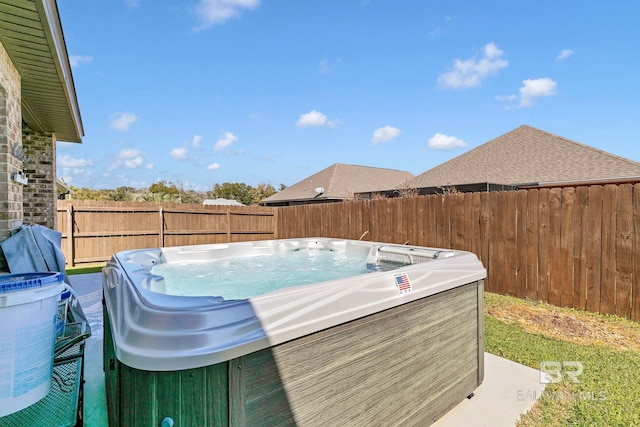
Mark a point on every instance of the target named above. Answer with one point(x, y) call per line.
point(94, 231)
point(575, 246)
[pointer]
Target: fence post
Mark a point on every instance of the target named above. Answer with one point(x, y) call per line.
point(71, 243)
point(228, 225)
point(276, 229)
point(161, 234)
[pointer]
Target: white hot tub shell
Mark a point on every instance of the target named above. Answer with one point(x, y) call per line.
point(400, 346)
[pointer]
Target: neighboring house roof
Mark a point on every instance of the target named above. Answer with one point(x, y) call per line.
point(31, 33)
point(340, 182)
point(527, 155)
point(221, 201)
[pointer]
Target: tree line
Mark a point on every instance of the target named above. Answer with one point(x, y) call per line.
point(170, 192)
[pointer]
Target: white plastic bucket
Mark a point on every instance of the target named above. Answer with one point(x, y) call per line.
point(28, 307)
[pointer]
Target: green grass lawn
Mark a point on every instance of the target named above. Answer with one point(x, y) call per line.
point(608, 391)
point(85, 269)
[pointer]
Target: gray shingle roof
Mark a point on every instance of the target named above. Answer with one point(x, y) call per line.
point(528, 155)
point(341, 181)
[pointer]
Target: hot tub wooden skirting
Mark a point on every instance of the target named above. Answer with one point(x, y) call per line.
point(408, 365)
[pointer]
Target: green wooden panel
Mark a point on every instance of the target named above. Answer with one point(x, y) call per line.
point(217, 395)
point(169, 395)
point(194, 397)
point(111, 372)
point(137, 397)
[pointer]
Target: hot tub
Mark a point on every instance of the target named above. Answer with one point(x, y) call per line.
point(398, 340)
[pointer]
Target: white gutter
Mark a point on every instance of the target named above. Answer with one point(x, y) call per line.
point(53, 31)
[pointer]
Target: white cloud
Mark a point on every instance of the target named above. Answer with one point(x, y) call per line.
point(179, 153)
point(213, 166)
point(316, 119)
point(196, 140)
point(212, 12)
point(537, 88)
point(324, 67)
point(148, 166)
point(507, 98)
point(67, 161)
point(128, 153)
point(564, 54)
point(530, 90)
point(122, 121)
point(445, 142)
point(132, 3)
point(327, 66)
point(68, 173)
point(332, 124)
point(133, 163)
point(227, 139)
point(132, 158)
point(238, 152)
point(470, 72)
point(76, 60)
point(385, 134)
point(259, 117)
point(435, 32)
point(312, 118)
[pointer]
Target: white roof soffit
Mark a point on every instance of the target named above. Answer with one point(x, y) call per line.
point(31, 33)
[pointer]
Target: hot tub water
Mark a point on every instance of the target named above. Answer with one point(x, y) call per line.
point(249, 276)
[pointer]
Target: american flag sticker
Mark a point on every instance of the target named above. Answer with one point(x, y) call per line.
point(403, 283)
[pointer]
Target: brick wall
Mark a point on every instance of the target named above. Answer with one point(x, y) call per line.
point(11, 196)
point(39, 201)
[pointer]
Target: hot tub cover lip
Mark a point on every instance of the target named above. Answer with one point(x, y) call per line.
point(157, 332)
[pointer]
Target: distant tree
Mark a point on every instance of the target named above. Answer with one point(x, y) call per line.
point(157, 197)
point(231, 190)
point(123, 194)
point(162, 191)
point(261, 192)
point(164, 187)
point(191, 196)
point(79, 193)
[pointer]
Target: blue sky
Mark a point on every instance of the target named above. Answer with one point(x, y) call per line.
point(200, 92)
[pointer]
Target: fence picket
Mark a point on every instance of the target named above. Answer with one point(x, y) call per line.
point(608, 276)
point(532, 244)
point(567, 225)
point(543, 245)
point(521, 244)
point(581, 222)
point(555, 249)
point(624, 249)
point(594, 248)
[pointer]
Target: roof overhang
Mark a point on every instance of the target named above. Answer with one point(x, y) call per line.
point(31, 33)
